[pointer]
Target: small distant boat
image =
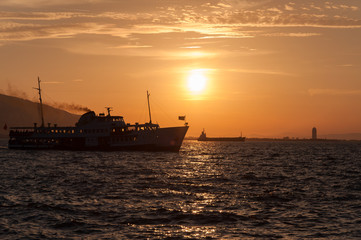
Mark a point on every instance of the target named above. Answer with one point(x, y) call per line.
point(98, 132)
point(203, 137)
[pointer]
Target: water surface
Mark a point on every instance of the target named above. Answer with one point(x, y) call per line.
point(209, 190)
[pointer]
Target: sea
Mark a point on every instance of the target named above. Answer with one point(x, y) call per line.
point(209, 190)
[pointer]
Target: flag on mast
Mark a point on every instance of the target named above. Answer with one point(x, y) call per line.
point(183, 118)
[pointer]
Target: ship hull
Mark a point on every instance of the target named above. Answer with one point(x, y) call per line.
point(160, 139)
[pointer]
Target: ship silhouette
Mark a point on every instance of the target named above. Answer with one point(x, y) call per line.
point(203, 137)
point(98, 132)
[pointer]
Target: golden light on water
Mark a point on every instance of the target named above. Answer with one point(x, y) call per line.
point(197, 81)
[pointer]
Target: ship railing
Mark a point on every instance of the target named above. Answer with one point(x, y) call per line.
point(21, 131)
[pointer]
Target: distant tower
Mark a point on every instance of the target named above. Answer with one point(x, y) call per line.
point(314, 133)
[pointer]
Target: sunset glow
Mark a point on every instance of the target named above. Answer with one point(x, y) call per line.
point(279, 68)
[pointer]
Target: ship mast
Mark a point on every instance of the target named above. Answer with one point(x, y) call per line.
point(150, 116)
point(41, 103)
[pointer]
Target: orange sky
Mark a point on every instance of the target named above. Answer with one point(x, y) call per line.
point(272, 68)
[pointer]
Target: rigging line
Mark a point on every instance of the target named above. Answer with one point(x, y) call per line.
point(48, 97)
point(164, 113)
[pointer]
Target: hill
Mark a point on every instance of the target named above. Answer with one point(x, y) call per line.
point(15, 112)
point(345, 136)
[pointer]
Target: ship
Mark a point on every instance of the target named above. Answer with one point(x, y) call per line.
point(203, 137)
point(103, 132)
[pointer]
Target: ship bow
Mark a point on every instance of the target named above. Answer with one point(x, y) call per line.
point(170, 139)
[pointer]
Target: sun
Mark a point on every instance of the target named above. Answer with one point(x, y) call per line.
point(197, 81)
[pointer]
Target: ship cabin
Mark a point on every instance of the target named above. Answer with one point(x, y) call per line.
point(90, 127)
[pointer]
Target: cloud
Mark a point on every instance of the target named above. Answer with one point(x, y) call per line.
point(289, 8)
point(37, 3)
point(54, 82)
point(38, 15)
point(333, 92)
point(346, 65)
point(132, 46)
point(299, 34)
point(27, 31)
point(258, 71)
point(226, 21)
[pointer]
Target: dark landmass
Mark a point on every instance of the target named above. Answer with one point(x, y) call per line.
point(290, 139)
point(17, 112)
point(346, 136)
point(296, 140)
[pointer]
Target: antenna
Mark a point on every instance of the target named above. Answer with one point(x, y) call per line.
point(150, 116)
point(41, 103)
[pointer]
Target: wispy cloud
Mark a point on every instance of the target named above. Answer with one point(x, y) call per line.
point(346, 65)
point(299, 34)
point(289, 8)
point(52, 82)
point(258, 71)
point(224, 19)
point(38, 3)
point(28, 31)
point(333, 92)
point(132, 46)
point(38, 15)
